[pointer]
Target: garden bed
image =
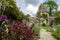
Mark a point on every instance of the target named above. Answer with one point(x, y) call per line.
point(18, 30)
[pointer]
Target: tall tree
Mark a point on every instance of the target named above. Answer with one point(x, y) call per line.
point(51, 5)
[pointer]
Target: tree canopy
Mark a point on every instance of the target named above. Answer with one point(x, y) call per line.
point(52, 5)
point(57, 14)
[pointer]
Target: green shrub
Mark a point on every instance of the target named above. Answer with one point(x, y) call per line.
point(43, 24)
point(46, 28)
point(10, 9)
point(57, 32)
point(36, 28)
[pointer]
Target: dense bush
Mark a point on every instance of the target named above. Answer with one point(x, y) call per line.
point(43, 24)
point(47, 27)
point(57, 19)
point(56, 33)
point(18, 31)
point(36, 28)
point(10, 9)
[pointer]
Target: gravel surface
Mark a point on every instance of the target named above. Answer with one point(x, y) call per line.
point(44, 35)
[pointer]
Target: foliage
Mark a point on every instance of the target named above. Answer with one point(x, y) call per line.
point(27, 17)
point(57, 14)
point(47, 27)
point(56, 33)
point(45, 16)
point(57, 19)
point(43, 24)
point(52, 6)
point(18, 31)
point(36, 29)
point(48, 6)
point(3, 22)
point(38, 14)
point(4, 5)
point(10, 9)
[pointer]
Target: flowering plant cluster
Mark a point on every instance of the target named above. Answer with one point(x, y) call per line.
point(3, 25)
point(3, 20)
point(18, 31)
point(4, 17)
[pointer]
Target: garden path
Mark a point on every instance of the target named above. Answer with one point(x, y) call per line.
point(44, 35)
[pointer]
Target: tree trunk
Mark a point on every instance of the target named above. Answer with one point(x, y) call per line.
point(50, 11)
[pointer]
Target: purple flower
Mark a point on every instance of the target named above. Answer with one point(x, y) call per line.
point(4, 17)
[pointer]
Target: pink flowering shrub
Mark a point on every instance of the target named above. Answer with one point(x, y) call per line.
point(19, 31)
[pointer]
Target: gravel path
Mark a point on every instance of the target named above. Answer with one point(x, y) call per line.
point(44, 35)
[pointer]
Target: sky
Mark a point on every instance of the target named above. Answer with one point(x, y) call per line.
point(31, 6)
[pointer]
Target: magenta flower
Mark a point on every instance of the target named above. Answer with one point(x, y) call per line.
point(4, 17)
